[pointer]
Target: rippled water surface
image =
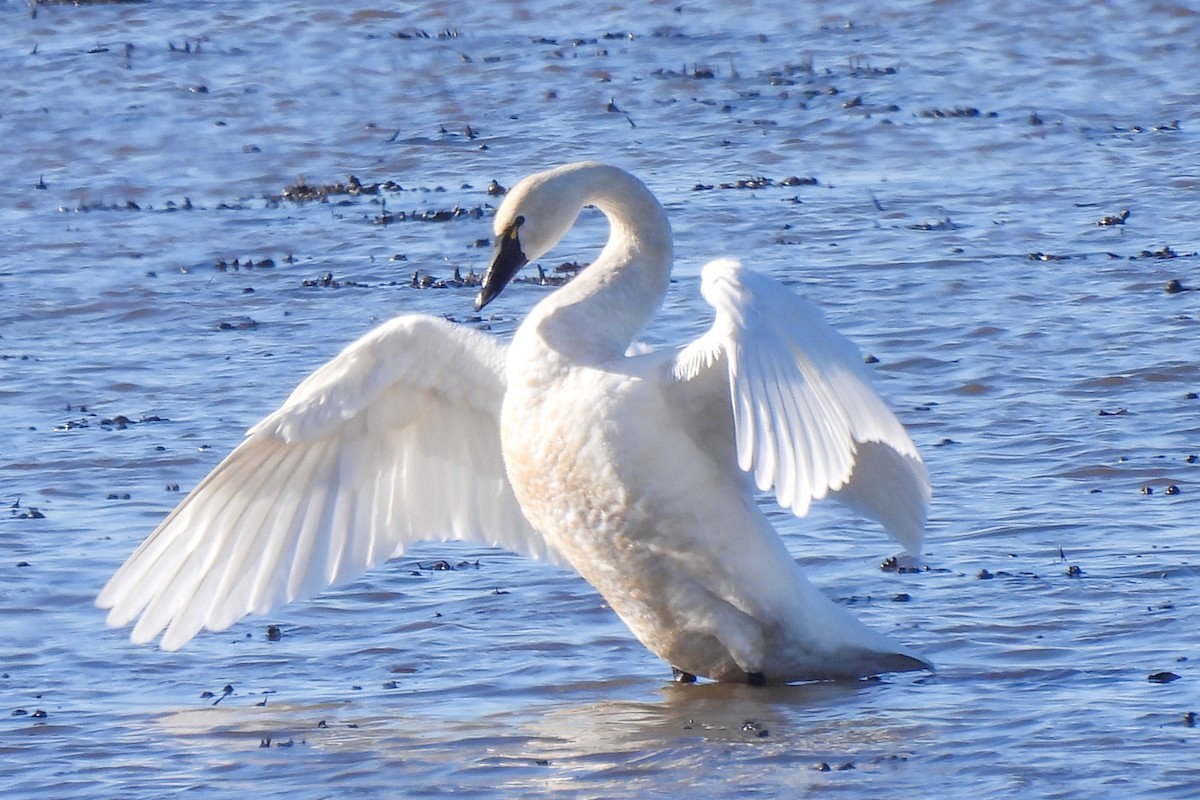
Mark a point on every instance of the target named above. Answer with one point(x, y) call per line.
point(962, 160)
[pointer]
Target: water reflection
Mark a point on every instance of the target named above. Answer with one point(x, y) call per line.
point(617, 737)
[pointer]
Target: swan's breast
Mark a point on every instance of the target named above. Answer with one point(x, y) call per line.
point(556, 437)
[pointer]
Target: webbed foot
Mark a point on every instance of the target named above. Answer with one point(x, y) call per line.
point(679, 676)
point(756, 679)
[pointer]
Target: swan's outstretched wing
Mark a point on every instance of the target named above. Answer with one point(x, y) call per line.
point(805, 418)
point(395, 440)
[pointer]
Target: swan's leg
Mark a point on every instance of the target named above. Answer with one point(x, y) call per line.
point(707, 624)
point(679, 676)
point(756, 679)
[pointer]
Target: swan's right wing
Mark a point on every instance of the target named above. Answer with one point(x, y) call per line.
point(393, 441)
point(805, 420)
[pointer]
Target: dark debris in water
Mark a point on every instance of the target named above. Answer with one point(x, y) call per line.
point(83, 207)
point(442, 565)
point(1162, 254)
point(558, 276)
point(302, 192)
point(757, 182)
point(905, 565)
point(424, 280)
point(987, 575)
point(118, 422)
point(237, 324)
point(429, 215)
point(752, 727)
point(1162, 677)
point(943, 224)
point(958, 112)
point(418, 33)
point(238, 264)
point(37, 713)
point(327, 281)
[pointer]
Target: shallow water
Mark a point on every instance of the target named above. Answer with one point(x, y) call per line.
point(963, 159)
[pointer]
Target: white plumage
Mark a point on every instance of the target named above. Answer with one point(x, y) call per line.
point(637, 470)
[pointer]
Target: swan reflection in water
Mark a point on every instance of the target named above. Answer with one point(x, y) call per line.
point(572, 444)
point(578, 738)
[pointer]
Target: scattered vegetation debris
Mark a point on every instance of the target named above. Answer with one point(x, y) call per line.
point(237, 324)
point(327, 281)
point(757, 182)
point(424, 280)
point(442, 565)
point(1162, 677)
point(302, 192)
point(225, 692)
point(1162, 253)
point(750, 726)
point(237, 264)
point(429, 215)
point(899, 566)
point(748, 183)
point(416, 33)
point(959, 112)
point(943, 224)
point(118, 422)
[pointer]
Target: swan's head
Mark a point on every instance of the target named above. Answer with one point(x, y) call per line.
point(535, 215)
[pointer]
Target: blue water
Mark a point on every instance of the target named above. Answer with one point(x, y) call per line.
point(964, 157)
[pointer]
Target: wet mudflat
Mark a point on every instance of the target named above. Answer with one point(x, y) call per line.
point(202, 203)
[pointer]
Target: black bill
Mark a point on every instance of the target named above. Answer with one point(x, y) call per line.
point(507, 260)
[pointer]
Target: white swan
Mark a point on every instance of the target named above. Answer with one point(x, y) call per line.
point(636, 470)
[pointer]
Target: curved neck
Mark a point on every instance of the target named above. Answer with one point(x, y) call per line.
point(599, 314)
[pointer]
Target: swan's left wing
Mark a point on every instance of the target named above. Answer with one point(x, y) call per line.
point(806, 420)
point(395, 440)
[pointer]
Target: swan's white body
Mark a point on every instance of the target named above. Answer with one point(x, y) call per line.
point(638, 471)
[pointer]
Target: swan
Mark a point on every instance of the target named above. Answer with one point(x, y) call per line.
point(572, 444)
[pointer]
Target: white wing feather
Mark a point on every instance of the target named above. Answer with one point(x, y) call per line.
point(806, 420)
point(393, 441)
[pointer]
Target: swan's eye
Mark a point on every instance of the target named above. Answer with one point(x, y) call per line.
point(516, 224)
